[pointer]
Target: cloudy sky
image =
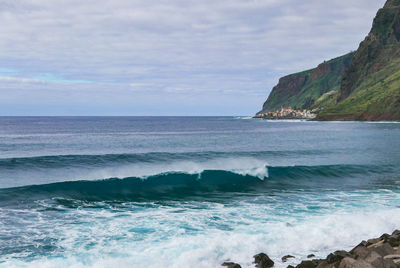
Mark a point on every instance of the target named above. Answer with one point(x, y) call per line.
point(165, 57)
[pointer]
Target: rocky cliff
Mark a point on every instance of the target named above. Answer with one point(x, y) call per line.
point(370, 88)
point(364, 85)
point(302, 90)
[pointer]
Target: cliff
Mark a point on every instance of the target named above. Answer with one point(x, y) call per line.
point(370, 88)
point(364, 85)
point(302, 90)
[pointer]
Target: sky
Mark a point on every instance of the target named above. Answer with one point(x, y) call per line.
point(165, 57)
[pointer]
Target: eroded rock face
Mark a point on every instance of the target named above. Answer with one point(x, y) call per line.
point(379, 48)
point(301, 90)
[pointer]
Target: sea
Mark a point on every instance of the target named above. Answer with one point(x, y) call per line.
point(148, 192)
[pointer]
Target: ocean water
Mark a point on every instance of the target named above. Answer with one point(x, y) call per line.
point(191, 191)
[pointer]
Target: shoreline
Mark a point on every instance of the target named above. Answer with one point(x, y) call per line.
point(381, 252)
point(319, 120)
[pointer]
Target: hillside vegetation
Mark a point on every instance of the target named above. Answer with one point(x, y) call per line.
point(364, 85)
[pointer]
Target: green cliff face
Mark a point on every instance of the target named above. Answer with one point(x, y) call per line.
point(302, 90)
point(364, 85)
point(370, 89)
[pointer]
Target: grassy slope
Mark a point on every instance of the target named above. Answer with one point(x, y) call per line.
point(317, 82)
point(377, 98)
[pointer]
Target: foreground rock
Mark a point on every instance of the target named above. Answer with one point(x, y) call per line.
point(382, 252)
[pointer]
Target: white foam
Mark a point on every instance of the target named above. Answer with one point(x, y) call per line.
point(184, 235)
point(240, 165)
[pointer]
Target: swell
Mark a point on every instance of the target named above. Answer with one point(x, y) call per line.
point(178, 185)
point(57, 161)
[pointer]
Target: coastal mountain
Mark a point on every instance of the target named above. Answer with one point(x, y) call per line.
point(302, 90)
point(364, 86)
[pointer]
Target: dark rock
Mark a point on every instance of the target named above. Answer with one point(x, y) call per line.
point(231, 265)
point(396, 232)
point(393, 240)
point(337, 256)
point(362, 244)
point(310, 256)
point(263, 261)
point(310, 264)
point(285, 258)
point(307, 264)
point(290, 266)
point(384, 237)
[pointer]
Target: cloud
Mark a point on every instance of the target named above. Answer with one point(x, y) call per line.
point(232, 51)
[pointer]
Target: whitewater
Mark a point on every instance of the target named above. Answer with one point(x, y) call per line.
point(191, 191)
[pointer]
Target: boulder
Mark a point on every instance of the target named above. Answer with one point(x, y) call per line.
point(362, 244)
point(394, 240)
point(352, 263)
point(378, 261)
point(231, 265)
point(325, 264)
point(396, 232)
point(373, 241)
point(384, 236)
point(263, 261)
point(306, 264)
point(360, 252)
point(285, 258)
point(337, 256)
point(382, 248)
point(309, 264)
point(310, 256)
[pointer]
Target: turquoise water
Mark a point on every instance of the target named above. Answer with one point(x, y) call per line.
point(191, 191)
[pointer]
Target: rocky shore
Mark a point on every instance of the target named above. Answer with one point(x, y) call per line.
point(382, 252)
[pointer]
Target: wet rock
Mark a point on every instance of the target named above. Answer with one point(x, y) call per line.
point(290, 266)
point(285, 258)
point(337, 256)
point(396, 232)
point(231, 265)
point(310, 256)
point(263, 261)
